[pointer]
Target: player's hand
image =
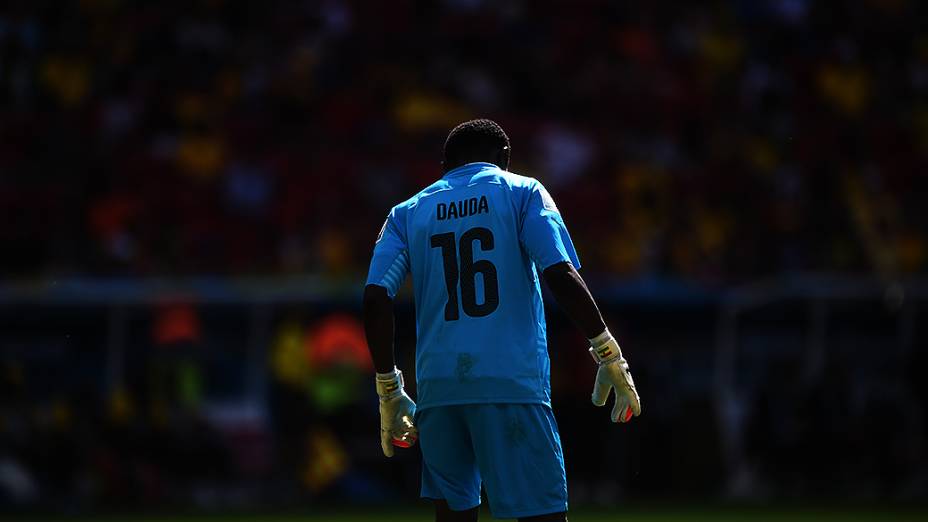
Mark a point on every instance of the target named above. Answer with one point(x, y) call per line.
point(613, 374)
point(396, 413)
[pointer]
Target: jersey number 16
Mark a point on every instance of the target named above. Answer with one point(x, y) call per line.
point(467, 273)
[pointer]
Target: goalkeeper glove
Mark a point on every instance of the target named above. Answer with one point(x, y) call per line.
point(613, 373)
point(396, 413)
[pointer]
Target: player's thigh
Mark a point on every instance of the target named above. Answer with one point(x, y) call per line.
point(550, 517)
point(449, 467)
point(444, 513)
point(518, 451)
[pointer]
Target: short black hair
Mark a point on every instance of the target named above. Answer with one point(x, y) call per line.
point(476, 140)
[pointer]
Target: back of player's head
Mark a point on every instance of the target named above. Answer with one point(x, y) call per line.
point(476, 140)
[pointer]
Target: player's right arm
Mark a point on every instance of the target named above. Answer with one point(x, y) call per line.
point(544, 236)
point(389, 267)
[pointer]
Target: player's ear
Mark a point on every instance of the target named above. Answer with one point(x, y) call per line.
point(502, 158)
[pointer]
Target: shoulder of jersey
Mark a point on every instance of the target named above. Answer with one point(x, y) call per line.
point(414, 199)
point(532, 184)
point(516, 181)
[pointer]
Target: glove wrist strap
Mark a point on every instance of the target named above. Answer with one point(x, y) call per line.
point(604, 348)
point(389, 384)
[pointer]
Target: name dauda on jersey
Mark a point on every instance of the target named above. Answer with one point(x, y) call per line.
point(463, 208)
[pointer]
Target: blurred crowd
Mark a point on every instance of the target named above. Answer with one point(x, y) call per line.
point(715, 142)
point(188, 412)
point(234, 406)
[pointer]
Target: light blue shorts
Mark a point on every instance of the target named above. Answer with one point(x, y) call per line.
point(513, 450)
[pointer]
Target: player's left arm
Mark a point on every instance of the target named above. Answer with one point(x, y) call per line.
point(389, 267)
point(612, 373)
point(544, 236)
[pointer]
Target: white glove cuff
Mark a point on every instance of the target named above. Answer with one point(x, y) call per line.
point(604, 348)
point(389, 384)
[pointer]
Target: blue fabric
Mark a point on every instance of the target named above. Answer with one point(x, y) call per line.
point(514, 450)
point(484, 233)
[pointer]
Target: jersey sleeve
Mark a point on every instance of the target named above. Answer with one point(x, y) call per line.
point(543, 233)
point(390, 262)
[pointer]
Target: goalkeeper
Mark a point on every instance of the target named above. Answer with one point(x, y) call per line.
point(475, 242)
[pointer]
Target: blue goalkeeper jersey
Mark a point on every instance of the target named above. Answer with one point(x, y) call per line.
point(475, 241)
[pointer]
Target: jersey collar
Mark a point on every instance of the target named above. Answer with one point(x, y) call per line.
point(469, 168)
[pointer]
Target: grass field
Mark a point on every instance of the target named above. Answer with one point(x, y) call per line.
point(676, 514)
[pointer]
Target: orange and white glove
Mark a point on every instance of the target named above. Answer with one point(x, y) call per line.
point(613, 374)
point(396, 413)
